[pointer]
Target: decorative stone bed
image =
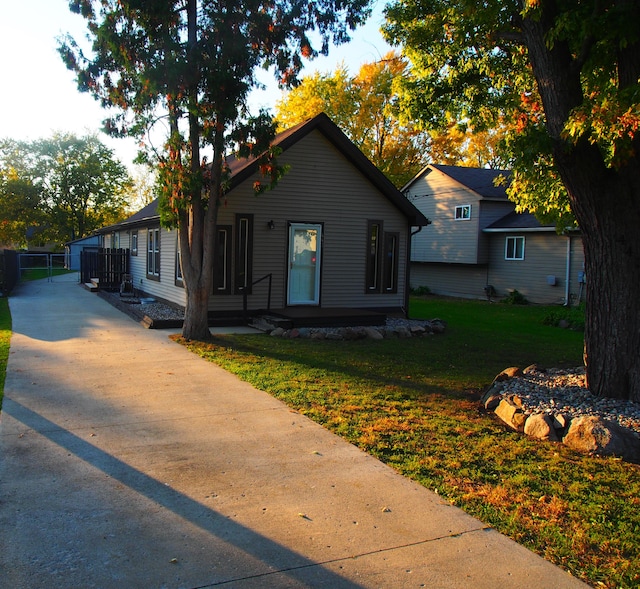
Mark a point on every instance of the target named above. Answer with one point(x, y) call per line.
point(556, 405)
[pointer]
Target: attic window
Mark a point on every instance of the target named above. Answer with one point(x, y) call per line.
point(463, 213)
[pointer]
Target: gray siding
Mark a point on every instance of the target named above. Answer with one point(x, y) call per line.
point(446, 239)
point(545, 256)
point(165, 288)
point(451, 280)
point(490, 211)
point(321, 187)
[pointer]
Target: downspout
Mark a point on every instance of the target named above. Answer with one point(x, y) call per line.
point(407, 286)
point(567, 280)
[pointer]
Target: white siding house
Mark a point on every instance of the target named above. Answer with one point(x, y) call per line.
point(477, 241)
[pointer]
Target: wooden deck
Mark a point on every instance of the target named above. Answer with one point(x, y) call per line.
point(318, 317)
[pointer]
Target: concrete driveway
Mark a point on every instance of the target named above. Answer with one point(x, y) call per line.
point(128, 462)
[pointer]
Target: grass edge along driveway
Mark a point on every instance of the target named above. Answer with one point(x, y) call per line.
point(5, 340)
point(413, 404)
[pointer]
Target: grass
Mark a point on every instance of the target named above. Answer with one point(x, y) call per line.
point(5, 339)
point(414, 405)
point(39, 273)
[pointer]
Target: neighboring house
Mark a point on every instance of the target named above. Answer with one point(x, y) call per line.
point(73, 250)
point(477, 243)
point(333, 234)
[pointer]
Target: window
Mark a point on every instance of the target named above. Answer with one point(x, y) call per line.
point(463, 213)
point(134, 243)
point(382, 259)
point(243, 254)
point(222, 263)
point(390, 269)
point(153, 253)
point(514, 249)
point(374, 230)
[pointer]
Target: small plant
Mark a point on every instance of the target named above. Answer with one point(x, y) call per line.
point(569, 317)
point(420, 291)
point(515, 298)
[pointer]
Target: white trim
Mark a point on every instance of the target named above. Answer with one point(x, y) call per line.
point(462, 216)
point(520, 230)
point(515, 248)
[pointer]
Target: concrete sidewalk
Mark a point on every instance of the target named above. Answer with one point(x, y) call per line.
point(128, 462)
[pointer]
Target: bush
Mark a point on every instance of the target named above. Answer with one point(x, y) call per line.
point(573, 317)
point(420, 291)
point(515, 298)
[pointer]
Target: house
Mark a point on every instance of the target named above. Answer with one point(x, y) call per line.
point(332, 237)
point(478, 245)
point(73, 250)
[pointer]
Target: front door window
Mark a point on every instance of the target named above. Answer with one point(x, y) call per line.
point(304, 264)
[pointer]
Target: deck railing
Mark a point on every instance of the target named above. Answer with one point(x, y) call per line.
point(245, 293)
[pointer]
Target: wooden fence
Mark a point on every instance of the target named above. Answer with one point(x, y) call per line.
point(105, 264)
point(9, 270)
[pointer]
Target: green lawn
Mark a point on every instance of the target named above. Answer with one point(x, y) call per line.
point(40, 273)
point(414, 404)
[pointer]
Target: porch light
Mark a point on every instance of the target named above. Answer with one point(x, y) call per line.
point(271, 224)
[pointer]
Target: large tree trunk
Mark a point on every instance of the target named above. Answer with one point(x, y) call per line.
point(196, 320)
point(606, 203)
point(609, 217)
point(612, 327)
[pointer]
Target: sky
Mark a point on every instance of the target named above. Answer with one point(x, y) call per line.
point(38, 95)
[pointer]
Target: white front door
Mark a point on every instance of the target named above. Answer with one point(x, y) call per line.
point(304, 264)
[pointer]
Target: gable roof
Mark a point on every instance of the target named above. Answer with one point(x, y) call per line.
point(243, 169)
point(479, 180)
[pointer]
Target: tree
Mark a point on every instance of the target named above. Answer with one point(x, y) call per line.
point(363, 106)
point(84, 184)
point(458, 144)
point(61, 188)
point(20, 195)
point(193, 63)
point(564, 77)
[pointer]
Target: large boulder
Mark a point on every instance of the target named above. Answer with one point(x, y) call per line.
point(540, 426)
point(592, 434)
point(507, 373)
point(510, 411)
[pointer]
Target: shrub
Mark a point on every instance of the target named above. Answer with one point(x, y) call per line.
point(515, 298)
point(419, 291)
point(573, 316)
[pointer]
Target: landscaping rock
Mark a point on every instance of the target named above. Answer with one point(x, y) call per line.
point(560, 421)
point(437, 326)
point(555, 405)
point(508, 373)
point(373, 333)
point(492, 401)
point(509, 412)
point(593, 435)
point(394, 327)
point(494, 390)
point(540, 426)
